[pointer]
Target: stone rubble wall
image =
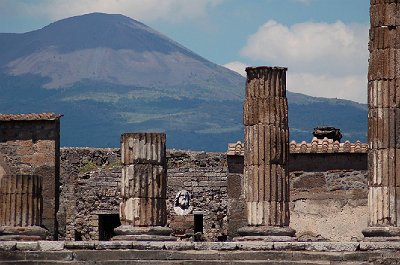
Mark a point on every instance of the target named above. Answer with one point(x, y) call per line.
point(90, 185)
point(329, 204)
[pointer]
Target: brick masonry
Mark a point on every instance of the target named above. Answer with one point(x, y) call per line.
point(325, 203)
point(30, 145)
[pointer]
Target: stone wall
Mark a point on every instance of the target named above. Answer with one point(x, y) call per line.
point(90, 184)
point(329, 204)
point(328, 199)
point(30, 145)
point(204, 176)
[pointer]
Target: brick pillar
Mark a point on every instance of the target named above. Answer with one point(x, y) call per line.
point(143, 211)
point(21, 208)
point(266, 136)
point(384, 121)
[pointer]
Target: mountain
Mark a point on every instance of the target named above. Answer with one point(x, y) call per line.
point(110, 74)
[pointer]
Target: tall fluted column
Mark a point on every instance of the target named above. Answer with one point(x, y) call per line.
point(143, 211)
point(266, 137)
point(21, 207)
point(384, 120)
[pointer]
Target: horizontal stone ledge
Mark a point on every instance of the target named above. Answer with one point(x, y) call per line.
point(96, 246)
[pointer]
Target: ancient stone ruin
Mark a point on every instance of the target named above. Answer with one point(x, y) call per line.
point(30, 159)
point(383, 121)
point(266, 150)
point(143, 188)
point(270, 199)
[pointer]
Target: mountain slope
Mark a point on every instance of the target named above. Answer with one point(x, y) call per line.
point(113, 49)
point(110, 74)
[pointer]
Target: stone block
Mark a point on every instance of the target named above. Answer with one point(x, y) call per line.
point(113, 245)
point(51, 245)
point(180, 224)
point(148, 245)
point(384, 38)
point(27, 246)
point(8, 245)
point(290, 246)
point(79, 245)
point(144, 181)
point(367, 246)
point(181, 245)
point(258, 246)
point(332, 246)
point(118, 255)
point(143, 148)
point(215, 246)
point(143, 212)
point(382, 64)
point(385, 14)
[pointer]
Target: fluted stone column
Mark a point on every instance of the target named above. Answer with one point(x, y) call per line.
point(266, 137)
point(21, 207)
point(384, 120)
point(143, 211)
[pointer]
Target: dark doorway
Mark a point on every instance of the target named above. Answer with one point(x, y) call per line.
point(198, 223)
point(107, 223)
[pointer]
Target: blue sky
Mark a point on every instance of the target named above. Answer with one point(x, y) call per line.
point(323, 42)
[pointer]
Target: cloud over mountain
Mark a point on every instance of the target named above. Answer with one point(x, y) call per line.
point(315, 52)
point(149, 9)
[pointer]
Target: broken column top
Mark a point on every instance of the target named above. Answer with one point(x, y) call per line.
point(271, 68)
point(30, 117)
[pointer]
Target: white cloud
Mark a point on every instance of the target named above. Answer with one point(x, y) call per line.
point(138, 9)
point(322, 58)
point(238, 67)
point(352, 87)
point(306, 2)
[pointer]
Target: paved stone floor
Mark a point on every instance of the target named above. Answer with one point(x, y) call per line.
point(128, 252)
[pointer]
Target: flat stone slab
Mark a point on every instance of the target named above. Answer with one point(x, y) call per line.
point(27, 246)
point(8, 245)
point(113, 245)
point(215, 246)
point(390, 245)
point(148, 230)
point(51, 245)
point(249, 245)
point(266, 238)
point(289, 245)
point(384, 231)
point(79, 245)
point(179, 245)
point(149, 245)
point(332, 246)
point(143, 238)
point(266, 231)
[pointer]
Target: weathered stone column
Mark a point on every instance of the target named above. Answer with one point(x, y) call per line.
point(21, 207)
point(266, 136)
point(143, 211)
point(384, 121)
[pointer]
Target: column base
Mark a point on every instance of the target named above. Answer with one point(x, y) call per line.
point(265, 233)
point(137, 233)
point(381, 233)
point(26, 233)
